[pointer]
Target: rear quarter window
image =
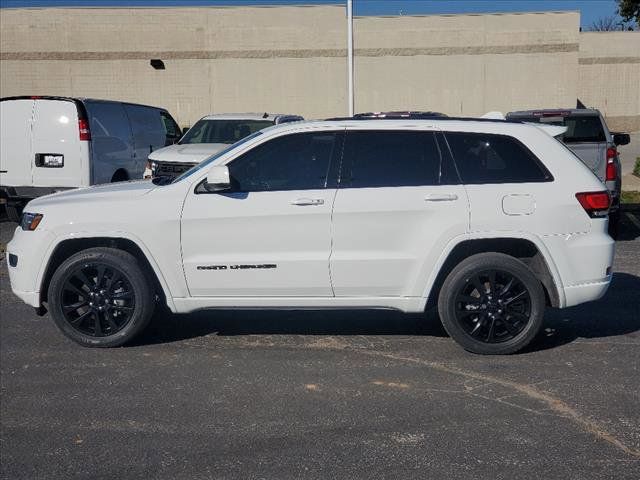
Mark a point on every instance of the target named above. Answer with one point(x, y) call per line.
point(489, 158)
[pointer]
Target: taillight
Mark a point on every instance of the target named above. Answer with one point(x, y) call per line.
point(596, 204)
point(83, 129)
point(612, 171)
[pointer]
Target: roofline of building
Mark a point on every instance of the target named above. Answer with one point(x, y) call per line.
point(236, 7)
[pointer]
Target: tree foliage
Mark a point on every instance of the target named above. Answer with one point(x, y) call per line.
point(629, 10)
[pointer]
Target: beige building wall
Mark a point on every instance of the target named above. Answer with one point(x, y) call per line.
point(467, 64)
point(274, 59)
point(293, 60)
point(610, 76)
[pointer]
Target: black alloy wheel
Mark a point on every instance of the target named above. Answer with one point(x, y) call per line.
point(101, 297)
point(493, 306)
point(492, 303)
point(97, 300)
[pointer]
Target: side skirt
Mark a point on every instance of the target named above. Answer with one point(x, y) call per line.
point(403, 304)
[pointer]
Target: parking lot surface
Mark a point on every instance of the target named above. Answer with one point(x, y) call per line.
point(231, 394)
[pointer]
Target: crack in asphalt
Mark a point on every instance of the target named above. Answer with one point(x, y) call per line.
point(556, 405)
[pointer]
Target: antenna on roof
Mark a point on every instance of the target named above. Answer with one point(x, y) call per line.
point(579, 104)
point(265, 115)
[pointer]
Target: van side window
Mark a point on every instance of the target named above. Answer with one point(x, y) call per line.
point(170, 126)
point(390, 159)
point(487, 158)
point(292, 162)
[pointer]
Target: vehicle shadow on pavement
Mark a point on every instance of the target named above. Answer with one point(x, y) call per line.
point(166, 327)
point(618, 313)
point(629, 223)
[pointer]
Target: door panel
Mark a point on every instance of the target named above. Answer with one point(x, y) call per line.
point(257, 244)
point(16, 153)
point(272, 235)
point(55, 131)
point(387, 238)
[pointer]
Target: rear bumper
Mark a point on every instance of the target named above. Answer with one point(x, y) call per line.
point(584, 261)
point(586, 292)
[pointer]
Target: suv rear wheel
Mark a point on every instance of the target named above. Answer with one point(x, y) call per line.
point(101, 297)
point(492, 304)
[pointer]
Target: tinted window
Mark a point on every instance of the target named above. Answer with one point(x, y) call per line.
point(390, 159)
point(580, 128)
point(293, 162)
point(170, 126)
point(486, 158)
point(223, 131)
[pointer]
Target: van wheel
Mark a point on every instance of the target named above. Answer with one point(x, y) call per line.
point(101, 297)
point(492, 304)
point(14, 212)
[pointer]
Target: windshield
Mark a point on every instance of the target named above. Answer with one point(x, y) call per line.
point(213, 158)
point(580, 128)
point(222, 131)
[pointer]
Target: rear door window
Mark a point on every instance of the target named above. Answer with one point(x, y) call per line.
point(488, 158)
point(390, 159)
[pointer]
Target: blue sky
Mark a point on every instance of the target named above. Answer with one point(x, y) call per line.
point(590, 9)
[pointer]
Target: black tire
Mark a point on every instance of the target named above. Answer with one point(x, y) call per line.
point(503, 318)
point(14, 212)
point(101, 297)
point(120, 176)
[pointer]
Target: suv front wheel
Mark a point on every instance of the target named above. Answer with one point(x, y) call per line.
point(101, 297)
point(492, 304)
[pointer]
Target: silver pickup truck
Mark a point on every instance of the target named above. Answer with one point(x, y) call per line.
point(589, 138)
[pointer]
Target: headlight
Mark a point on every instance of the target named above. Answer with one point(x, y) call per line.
point(150, 170)
point(30, 221)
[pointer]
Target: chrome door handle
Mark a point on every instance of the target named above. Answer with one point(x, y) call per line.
point(307, 201)
point(441, 197)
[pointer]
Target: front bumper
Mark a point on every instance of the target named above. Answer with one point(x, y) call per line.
point(31, 250)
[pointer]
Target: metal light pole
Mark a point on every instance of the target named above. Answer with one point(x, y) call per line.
point(350, 54)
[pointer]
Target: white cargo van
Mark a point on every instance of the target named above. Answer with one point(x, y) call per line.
point(48, 144)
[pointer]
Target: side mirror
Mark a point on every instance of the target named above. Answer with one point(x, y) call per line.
point(218, 179)
point(621, 138)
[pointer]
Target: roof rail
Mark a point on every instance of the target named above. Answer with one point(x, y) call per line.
point(424, 117)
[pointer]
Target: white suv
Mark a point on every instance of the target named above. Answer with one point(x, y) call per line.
point(489, 220)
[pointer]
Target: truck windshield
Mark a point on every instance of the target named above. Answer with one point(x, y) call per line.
point(213, 158)
point(222, 131)
point(580, 128)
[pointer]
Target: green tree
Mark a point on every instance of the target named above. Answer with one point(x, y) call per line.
point(629, 10)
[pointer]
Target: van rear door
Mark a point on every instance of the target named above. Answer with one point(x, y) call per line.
point(16, 154)
point(56, 134)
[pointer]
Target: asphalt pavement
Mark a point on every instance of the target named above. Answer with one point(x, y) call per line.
point(323, 395)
